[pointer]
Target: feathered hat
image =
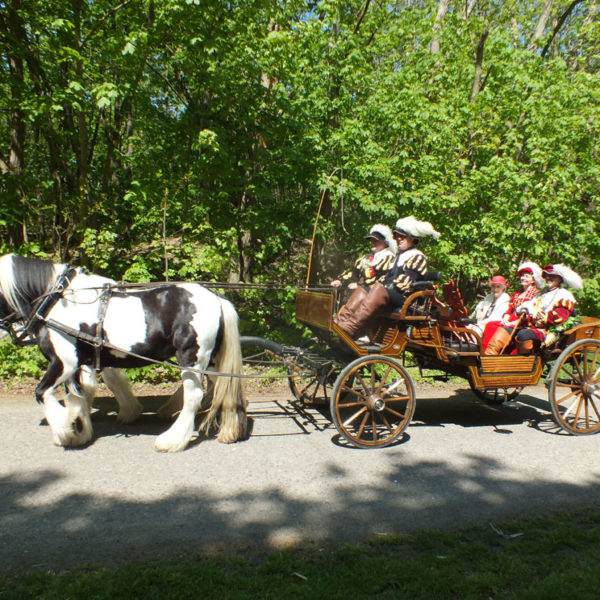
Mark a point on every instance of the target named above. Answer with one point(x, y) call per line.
point(569, 277)
point(384, 233)
point(415, 228)
point(535, 270)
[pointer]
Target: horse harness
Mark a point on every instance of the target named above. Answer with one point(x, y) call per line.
point(45, 303)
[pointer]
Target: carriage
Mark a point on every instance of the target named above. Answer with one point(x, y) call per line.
point(368, 388)
point(82, 321)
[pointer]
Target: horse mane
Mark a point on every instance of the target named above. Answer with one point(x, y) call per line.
point(23, 280)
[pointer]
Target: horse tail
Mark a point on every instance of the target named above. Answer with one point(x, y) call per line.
point(228, 407)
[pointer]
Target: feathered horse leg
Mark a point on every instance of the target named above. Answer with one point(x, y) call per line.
point(70, 421)
point(118, 383)
point(177, 437)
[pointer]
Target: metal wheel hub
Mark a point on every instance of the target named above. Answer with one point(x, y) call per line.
point(376, 403)
point(590, 389)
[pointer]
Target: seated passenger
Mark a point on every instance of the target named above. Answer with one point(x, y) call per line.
point(493, 306)
point(543, 318)
point(531, 279)
point(409, 266)
point(373, 266)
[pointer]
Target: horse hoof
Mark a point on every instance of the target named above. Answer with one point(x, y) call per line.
point(163, 445)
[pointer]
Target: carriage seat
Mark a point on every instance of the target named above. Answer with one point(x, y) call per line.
point(420, 285)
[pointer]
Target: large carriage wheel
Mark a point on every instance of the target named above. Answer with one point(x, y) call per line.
point(496, 395)
point(574, 391)
point(373, 401)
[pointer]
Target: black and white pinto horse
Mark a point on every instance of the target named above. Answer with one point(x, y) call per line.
point(79, 321)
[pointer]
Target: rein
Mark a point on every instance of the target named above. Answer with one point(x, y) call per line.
point(95, 340)
point(45, 303)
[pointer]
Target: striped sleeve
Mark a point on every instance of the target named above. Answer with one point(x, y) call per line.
point(413, 269)
point(354, 273)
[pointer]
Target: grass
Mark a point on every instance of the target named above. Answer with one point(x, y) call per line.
point(551, 557)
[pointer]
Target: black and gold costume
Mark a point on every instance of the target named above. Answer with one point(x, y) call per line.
point(369, 268)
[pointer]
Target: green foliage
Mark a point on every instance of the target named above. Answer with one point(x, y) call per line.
point(20, 363)
point(190, 140)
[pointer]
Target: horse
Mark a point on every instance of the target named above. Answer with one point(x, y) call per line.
point(84, 322)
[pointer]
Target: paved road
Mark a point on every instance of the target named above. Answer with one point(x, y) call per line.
point(461, 462)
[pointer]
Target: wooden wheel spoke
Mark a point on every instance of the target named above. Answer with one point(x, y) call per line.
point(355, 416)
point(396, 399)
point(387, 424)
point(395, 412)
point(350, 390)
point(374, 426)
point(580, 405)
point(367, 388)
point(569, 409)
point(567, 385)
point(566, 369)
point(577, 366)
point(573, 392)
point(361, 429)
point(594, 362)
point(593, 403)
point(384, 379)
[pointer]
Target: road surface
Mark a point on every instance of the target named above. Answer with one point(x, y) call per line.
point(293, 481)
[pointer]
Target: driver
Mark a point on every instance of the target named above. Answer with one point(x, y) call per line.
point(409, 266)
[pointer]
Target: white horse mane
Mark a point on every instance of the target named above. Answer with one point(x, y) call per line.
point(15, 287)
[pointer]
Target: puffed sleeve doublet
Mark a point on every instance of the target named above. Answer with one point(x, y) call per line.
point(369, 268)
point(410, 266)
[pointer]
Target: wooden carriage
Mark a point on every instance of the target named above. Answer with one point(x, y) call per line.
point(372, 399)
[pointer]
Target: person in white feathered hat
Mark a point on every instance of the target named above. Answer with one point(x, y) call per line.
point(546, 316)
point(496, 338)
point(373, 266)
point(409, 266)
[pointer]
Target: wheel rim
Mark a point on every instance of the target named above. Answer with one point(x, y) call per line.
point(309, 386)
point(373, 401)
point(575, 388)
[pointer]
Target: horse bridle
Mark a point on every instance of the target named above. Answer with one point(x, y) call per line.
point(41, 307)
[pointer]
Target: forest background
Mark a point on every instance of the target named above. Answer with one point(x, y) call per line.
point(197, 139)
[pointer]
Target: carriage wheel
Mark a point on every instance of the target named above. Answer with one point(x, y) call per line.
point(309, 385)
point(574, 391)
point(262, 357)
point(496, 395)
point(373, 401)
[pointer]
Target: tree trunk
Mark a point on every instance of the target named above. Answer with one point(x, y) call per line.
point(16, 155)
point(541, 25)
point(478, 65)
point(437, 26)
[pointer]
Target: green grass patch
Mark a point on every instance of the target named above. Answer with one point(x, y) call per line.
point(550, 557)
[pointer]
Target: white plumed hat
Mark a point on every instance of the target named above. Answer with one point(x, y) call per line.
point(383, 232)
point(535, 270)
point(569, 277)
point(415, 228)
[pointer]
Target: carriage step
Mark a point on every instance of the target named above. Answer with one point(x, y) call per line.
point(370, 346)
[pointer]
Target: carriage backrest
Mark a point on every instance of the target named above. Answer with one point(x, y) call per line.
point(315, 308)
point(453, 298)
